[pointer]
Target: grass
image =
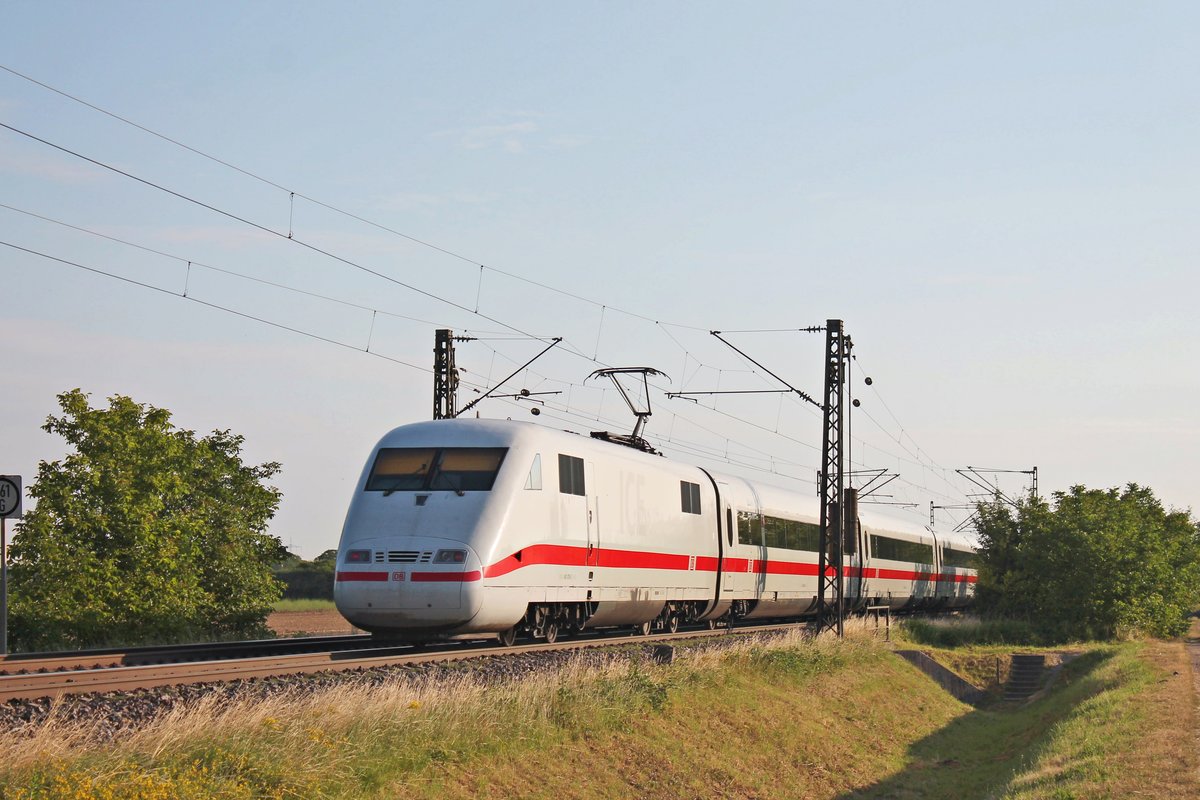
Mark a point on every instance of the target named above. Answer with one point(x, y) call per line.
point(965, 631)
point(1099, 734)
point(1124, 729)
point(304, 605)
point(762, 720)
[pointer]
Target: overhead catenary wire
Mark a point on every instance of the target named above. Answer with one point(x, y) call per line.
point(292, 194)
point(674, 442)
point(571, 386)
point(290, 235)
point(921, 458)
point(257, 226)
point(918, 458)
point(232, 273)
point(194, 299)
point(267, 229)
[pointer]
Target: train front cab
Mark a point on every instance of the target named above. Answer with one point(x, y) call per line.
point(408, 560)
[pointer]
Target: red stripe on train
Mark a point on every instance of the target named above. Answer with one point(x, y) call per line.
point(361, 576)
point(556, 554)
point(445, 577)
point(416, 577)
point(570, 556)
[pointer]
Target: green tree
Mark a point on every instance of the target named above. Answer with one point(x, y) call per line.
point(1098, 563)
point(143, 534)
point(308, 580)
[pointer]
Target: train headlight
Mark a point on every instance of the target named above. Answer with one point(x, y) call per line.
point(450, 557)
point(358, 556)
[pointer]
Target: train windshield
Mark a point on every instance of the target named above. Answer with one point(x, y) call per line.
point(454, 469)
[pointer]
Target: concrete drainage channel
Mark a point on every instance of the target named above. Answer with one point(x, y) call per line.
point(1028, 677)
point(953, 683)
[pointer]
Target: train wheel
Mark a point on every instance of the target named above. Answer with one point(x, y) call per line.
point(551, 632)
point(672, 623)
point(508, 637)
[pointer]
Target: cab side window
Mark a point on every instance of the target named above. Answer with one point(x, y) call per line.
point(570, 475)
point(689, 494)
point(534, 479)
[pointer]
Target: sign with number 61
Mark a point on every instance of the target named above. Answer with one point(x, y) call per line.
point(10, 496)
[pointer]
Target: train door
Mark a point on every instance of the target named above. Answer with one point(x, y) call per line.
point(935, 593)
point(727, 562)
point(747, 569)
point(852, 551)
point(862, 586)
point(593, 516)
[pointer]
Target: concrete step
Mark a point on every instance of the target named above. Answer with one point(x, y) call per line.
point(1025, 677)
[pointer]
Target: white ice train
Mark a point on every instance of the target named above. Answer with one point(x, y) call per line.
point(465, 527)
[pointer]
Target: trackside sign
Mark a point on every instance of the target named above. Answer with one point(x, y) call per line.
point(10, 496)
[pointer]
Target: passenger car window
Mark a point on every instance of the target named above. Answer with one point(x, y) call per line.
point(790, 534)
point(749, 528)
point(959, 558)
point(900, 550)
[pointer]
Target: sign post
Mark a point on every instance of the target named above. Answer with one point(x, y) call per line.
point(10, 506)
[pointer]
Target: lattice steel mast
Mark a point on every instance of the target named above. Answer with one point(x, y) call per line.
point(445, 375)
point(831, 563)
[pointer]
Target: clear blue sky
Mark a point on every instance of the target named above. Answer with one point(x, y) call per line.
point(999, 200)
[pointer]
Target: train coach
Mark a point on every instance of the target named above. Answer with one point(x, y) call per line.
point(468, 527)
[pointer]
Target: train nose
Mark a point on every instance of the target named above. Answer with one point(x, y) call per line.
point(426, 584)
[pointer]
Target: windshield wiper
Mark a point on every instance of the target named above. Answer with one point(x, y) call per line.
point(402, 478)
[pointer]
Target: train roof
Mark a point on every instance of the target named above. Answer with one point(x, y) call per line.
point(476, 432)
point(500, 432)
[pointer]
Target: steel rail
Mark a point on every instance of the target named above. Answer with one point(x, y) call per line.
point(137, 656)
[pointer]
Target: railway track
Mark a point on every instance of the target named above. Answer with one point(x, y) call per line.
point(25, 663)
point(110, 677)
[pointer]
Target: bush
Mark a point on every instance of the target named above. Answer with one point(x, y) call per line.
point(967, 632)
point(306, 580)
point(142, 534)
point(1095, 565)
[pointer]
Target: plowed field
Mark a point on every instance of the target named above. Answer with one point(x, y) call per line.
point(293, 623)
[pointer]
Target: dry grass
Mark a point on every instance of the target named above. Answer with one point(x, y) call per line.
point(1132, 734)
point(773, 718)
point(296, 740)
